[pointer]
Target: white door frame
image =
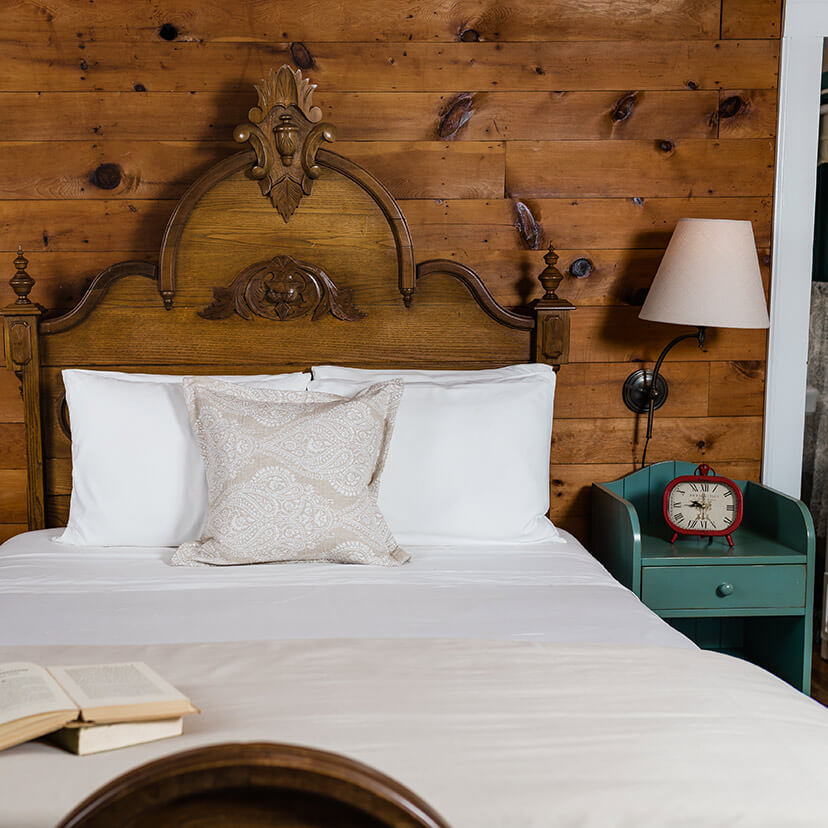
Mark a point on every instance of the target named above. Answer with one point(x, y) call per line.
point(800, 75)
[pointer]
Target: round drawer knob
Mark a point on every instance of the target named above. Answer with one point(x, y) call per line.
point(723, 590)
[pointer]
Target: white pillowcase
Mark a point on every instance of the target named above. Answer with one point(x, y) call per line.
point(137, 474)
point(469, 460)
point(440, 377)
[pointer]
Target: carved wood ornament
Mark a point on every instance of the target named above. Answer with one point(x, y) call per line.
point(285, 133)
point(285, 152)
point(281, 288)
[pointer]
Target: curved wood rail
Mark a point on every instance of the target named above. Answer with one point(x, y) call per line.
point(258, 783)
point(390, 209)
point(480, 293)
point(175, 225)
point(95, 292)
point(325, 158)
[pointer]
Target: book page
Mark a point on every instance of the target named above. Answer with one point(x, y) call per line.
point(27, 690)
point(109, 685)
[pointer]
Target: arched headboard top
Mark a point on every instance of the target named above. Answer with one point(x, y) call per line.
point(286, 156)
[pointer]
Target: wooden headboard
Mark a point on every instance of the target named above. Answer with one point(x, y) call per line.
point(281, 256)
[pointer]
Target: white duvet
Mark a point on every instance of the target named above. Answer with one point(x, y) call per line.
point(491, 733)
point(57, 594)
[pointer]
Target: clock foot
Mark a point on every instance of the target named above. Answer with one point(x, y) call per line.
point(673, 539)
point(729, 541)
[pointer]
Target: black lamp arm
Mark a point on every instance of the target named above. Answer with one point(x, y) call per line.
point(699, 336)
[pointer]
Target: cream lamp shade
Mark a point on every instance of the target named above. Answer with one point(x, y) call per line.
point(709, 277)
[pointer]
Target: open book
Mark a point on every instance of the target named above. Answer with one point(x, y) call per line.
point(36, 700)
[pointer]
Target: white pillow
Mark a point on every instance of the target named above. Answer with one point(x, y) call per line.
point(469, 459)
point(137, 474)
point(441, 377)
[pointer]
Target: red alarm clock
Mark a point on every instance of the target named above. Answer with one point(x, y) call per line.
point(703, 504)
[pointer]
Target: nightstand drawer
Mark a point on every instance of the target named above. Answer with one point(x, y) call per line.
point(719, 587)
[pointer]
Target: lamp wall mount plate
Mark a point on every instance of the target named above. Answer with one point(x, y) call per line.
point(636, 391)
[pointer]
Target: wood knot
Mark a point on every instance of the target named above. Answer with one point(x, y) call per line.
point(581, 268)
point(527, 226)
point(748, 368)
point(666, 146)
point(301, 56)
point(455, 115)
point(107, 176)
point(624, 107)
point(167, 31)
point(691, 85)
point(139, 87)
point(701, 445)
point(469, 36)
point(731, 106)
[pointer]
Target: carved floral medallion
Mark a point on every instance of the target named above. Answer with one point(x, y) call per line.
point(281, 289)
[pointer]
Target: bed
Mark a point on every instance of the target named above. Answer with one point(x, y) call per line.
point(506, 685)
point(543, 592)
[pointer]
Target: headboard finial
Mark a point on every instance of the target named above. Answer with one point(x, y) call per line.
point(21, 283)
point(550, 278)
point(285, 132)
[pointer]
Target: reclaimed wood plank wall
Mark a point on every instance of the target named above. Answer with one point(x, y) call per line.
point(608, 121)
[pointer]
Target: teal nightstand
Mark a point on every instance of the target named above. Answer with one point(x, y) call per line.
point(754, 600)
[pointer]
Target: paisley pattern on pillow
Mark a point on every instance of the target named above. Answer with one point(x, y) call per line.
point(292, 475)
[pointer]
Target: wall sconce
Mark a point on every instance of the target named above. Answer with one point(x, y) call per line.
point(709, 277)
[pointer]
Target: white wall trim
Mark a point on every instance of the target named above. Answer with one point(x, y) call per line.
point(806, 18)
point(800, 74)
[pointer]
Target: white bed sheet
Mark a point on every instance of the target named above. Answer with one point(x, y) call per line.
point(56, 594)
point(491, 733)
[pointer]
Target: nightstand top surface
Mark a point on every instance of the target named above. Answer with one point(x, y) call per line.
point(749, 547)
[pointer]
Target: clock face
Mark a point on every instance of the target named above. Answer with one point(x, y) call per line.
point(703, 506)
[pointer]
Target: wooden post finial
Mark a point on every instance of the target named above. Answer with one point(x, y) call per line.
point(550, 277)
point(551, 316)
point(21, 283)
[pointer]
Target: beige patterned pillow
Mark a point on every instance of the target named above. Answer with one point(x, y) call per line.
point(291, 475)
